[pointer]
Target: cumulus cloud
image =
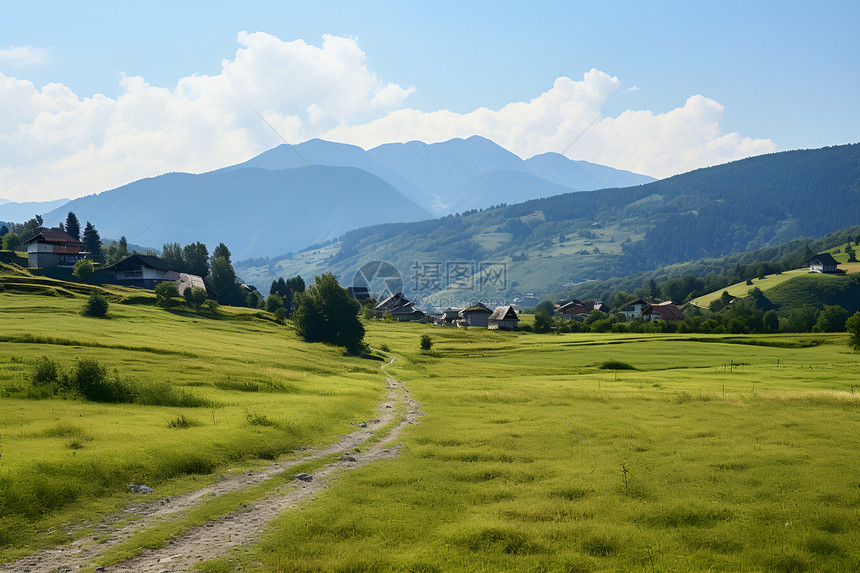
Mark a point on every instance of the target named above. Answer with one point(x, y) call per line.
point(58, 144)
point(22, 56)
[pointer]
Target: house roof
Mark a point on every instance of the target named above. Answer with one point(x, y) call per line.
point(570, 304)
point(824, 258)
point(477, 307)
point(395, 300)
point(150, 261)
point(54, 236)
point(632, 302)
point(504, 312)
point(665, 310)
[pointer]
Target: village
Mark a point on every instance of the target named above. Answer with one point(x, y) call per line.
point(53, 250)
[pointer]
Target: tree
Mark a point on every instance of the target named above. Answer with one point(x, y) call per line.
point(543, 321)
point(73, 226)
point(224, 283)
point(771, 321)
point(274, 302)
point(221, 251)
point(852, 255)
point(83, 270)
point(93, 241)
point(831, 319)
point(853, 327)
point(426, 342)
point(171, 253)
point(11, 241)
point(801, 319)
point(196, 259)
point(328, 313)
point(167, 294)
point(546, 306)
point(3, 230)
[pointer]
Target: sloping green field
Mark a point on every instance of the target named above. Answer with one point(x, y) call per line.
point(574, 452)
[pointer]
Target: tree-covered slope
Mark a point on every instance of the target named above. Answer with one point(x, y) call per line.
point(551, 243)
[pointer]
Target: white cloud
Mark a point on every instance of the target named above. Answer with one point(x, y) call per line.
point(55, 143)
point(22, 56)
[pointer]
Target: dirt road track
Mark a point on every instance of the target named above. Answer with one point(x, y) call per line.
point(241, 527)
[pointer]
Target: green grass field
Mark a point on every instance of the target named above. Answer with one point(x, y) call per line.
point(713, 453)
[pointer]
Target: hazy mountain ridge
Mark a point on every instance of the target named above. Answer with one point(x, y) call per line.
point(244, 206)
point(550, 243)
point(19, 212)
point(252, 210)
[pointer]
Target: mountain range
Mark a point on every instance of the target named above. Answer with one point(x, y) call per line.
point(552, 244)
point(12, 211)
point(295, 195)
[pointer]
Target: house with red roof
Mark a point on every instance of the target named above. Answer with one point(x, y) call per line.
point(54, 248)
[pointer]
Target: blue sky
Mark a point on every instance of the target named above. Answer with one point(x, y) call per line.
point(772, 76)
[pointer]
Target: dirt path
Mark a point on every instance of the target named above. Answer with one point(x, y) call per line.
point(241, 527)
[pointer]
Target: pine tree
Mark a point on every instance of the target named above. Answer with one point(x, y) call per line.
point(73, 226)
point(93, 241)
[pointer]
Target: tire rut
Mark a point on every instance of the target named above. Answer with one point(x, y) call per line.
point(241, 527)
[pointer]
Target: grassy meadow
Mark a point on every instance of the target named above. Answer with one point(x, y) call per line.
point(712, 454)
point(571, 452)
point(263, 394)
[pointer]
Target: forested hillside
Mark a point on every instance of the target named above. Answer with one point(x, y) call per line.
point(567, 239)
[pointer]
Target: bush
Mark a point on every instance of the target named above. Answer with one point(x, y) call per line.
point(84, 270)
point(166, 294)
point(195, 297)
point(181, 422)
point(615, 365)
point(45, 372)
point(426, 342)
point(96, 306)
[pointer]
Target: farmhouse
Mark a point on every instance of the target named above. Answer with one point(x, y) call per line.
point(476, 315)
point(54, 248)
point(399, 307)
point(139, 270)
point(503, 318)
point(449, 315)
point(821, 263)
point(663, 311)
point(601, 307)
point(634, 308)
point(573, 308)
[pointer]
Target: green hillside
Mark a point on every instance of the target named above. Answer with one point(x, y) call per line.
point(550, 244)
point(799, 287)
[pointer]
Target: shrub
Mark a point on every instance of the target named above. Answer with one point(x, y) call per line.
point(96, 306)
point(255, 419)
point(281, 314)
point(195, 297)
point(181, 422)
point(166, 294)
point(615, 365)
point(45, 372)
point(426, 342)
